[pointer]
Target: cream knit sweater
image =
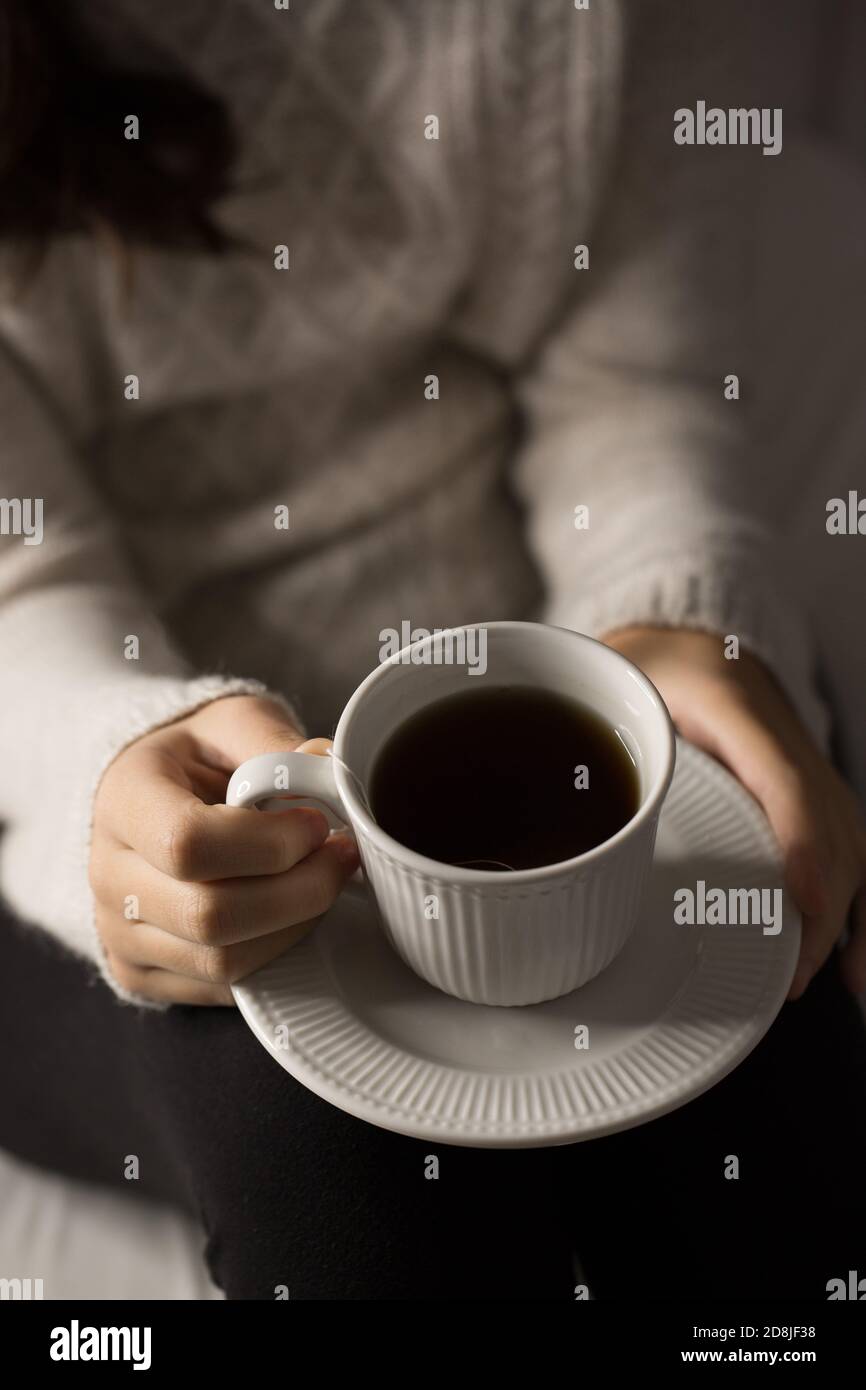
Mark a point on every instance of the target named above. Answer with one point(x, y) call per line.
point(307, 388)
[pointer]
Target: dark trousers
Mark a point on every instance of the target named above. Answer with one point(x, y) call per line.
point(291, 1191)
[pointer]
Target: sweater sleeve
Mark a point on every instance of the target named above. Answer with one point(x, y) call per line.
point(630, 407)
point(70, 699)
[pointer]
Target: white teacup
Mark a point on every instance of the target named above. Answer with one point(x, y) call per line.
point(486, 936)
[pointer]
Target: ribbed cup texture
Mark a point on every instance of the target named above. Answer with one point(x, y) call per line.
point(498, 945)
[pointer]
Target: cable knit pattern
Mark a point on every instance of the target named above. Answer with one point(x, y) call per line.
point(305, 387)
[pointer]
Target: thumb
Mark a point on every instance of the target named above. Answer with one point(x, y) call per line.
point(244, 726)
point(241, 726)
point(319, 746)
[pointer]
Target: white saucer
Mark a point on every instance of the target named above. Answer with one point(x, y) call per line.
point(676, 1011)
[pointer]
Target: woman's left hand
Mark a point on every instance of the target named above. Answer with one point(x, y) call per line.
point(735, 710)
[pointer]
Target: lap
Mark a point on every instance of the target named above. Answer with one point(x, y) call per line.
point(290, 1189)
point(293, 1191)
point(793, 1116)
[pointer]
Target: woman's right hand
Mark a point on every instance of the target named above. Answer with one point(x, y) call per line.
point(192, 894)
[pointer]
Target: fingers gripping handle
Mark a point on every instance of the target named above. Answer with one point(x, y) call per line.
point(279, 781)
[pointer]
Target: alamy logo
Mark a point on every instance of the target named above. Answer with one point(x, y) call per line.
point(732, 907)
point(461, 646)
point(846, 516)
point(739, 125)
point(76, 1343)
point(854, 1289)
point(21, 1289)
point(22, 516)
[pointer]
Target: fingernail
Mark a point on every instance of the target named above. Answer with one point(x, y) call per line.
point(346, 851)
point(316, 819)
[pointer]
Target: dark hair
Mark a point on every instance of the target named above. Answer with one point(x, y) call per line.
point(65, 164)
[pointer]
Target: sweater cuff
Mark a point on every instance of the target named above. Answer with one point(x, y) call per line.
point(685, 596)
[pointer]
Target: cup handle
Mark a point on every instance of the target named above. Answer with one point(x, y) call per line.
point(274, 781)
point(278, 781)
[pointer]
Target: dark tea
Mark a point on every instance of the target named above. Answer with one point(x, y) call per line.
point(503, 778)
